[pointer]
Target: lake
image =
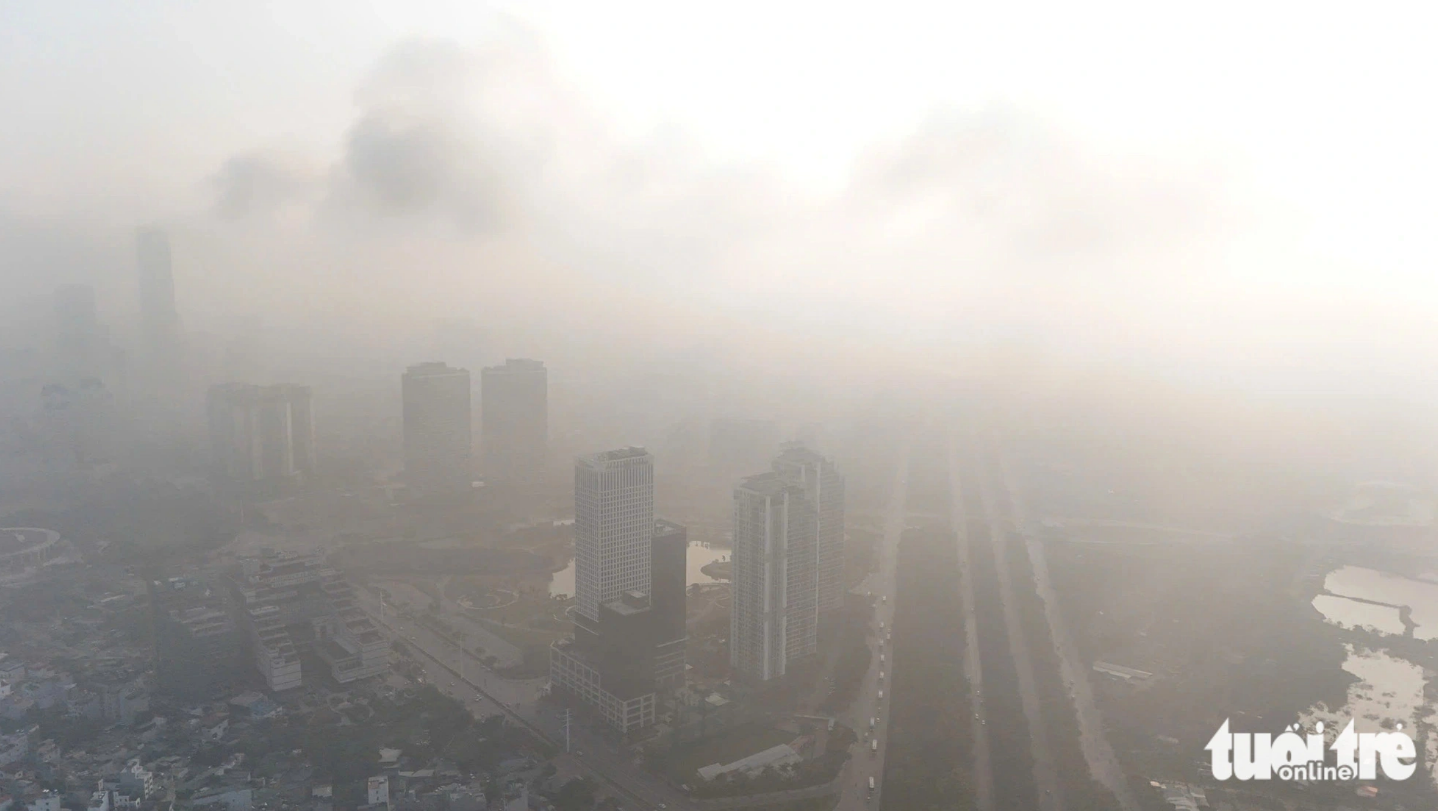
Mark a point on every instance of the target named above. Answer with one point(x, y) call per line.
point(1354, 615)
point(1390, 589)
point(561, 584)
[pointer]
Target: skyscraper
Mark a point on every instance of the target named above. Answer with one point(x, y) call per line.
point(261, 437)
point(824, 487)
point(629, 624)
point(668, 599)
point(613, 526)
point(437, 433)
point(774, 619)
point(514, 427)
point(159, 319)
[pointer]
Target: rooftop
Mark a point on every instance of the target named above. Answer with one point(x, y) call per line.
point(433, 368)
point(765, 484)
point(517, 365)
point(605, 458)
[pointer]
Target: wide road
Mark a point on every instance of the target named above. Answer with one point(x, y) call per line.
point(460, 675)
point(864, 762)
point(983, 771)
point(1045, 773)
point(1098, 753)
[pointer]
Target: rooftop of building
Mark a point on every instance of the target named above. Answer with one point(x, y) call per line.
point(516, 365)
point(799, 453)
point(765, 484)
point(629, 603)
point(434, 368)
point(665, 527)
point(605, 458)
point(254, 392)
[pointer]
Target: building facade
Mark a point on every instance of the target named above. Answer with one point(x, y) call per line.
point(514, 422)
point(613, 526)
point(261, 437)
point(824, 488)
point(669, 597)
point(291, 603)
point(629, 623)
point(438, 438)
point(774, 619)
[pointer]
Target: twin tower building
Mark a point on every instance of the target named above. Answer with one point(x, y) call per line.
point(263, 437)
point(630, 579)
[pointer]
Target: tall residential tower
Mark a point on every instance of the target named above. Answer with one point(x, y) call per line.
point(514, 422)
point(262, 438)
point(629, 629)
point(774, 620)
point(824, 488)
point(437, 433)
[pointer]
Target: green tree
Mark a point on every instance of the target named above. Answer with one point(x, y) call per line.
point(576, 795)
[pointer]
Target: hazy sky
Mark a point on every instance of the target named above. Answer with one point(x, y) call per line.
point(1243, 186)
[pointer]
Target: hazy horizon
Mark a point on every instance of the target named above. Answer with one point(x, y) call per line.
point(1242, 210)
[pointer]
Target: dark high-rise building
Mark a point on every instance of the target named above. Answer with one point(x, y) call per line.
point(629, 626)
point(668, 596)
point(437, 434)
point(514, 420)
point(159, 318)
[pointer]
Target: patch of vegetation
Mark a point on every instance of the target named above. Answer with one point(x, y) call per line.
point(849, 628)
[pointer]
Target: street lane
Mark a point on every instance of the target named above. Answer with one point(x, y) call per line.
point(983, 771)
point(1045, 772)
point(863, 763)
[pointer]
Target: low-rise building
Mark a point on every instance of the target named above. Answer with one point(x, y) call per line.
point(14, 748)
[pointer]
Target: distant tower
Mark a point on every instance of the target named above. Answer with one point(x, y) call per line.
point(824, 488)
point(437, 433)
point(514, 433)
point(159, 319)
point(628, 642)
point(613, 526)
point(261, 437)
point(774, 619)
